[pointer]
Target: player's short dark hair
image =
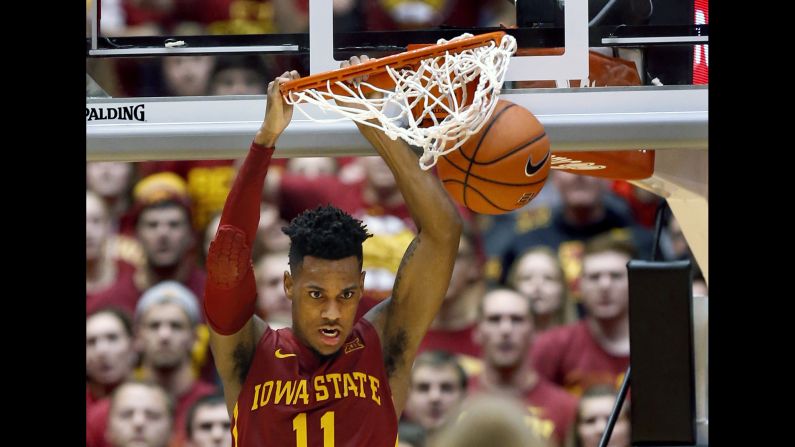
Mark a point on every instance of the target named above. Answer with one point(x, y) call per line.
point(325, 232)
point(209, 400)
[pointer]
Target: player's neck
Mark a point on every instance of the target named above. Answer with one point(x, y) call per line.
point(611, 334)
point(299, 335)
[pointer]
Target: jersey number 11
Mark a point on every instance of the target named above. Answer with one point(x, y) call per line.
point(326, 424)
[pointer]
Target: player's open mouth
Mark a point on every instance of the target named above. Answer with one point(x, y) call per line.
point(329, 336)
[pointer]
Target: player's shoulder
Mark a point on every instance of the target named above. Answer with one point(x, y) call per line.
point(279, 334)
point(273, 338)
point(364, 333)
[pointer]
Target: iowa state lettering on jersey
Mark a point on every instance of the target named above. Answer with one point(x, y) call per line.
point(355, 385)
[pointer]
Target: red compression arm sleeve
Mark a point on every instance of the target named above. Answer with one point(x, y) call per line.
point(231, 292)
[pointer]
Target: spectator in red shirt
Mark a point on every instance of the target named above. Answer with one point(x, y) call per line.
point(596, 349)
point(505, 332)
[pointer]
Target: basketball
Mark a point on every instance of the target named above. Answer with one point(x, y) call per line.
point(502, 167)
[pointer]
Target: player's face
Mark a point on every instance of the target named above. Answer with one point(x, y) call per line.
point(210, 426)
point(165, 234)
point(604, 285)
point(139, 418)
point(505, 329)
point(166, 335)
point(325, 297)
point(538, 278)
point(109, 352)
point(594, 412)
point(434, 392)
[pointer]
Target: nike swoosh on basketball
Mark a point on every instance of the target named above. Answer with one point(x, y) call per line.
point(279, 354)
point(531, 168)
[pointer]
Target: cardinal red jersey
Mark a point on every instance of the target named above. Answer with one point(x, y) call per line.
point(294, 398)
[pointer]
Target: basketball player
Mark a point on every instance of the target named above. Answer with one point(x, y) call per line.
point(325, 381)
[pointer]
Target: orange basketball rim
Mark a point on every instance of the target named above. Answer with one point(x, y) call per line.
point(375, 69)
point(433, 97)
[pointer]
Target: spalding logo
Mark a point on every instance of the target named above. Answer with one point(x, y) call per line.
point(125, 113)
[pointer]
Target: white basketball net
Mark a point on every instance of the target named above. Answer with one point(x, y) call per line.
point(449, 74)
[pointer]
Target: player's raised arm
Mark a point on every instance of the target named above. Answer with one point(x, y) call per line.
point(231, 291)
point(424, 273)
